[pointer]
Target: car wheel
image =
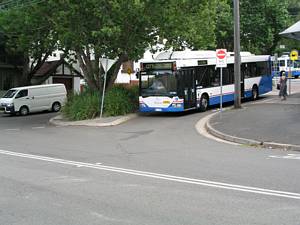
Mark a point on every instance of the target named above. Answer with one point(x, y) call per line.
point(56, 107)
point(24, 111)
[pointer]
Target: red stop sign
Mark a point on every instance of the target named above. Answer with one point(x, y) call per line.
point(221, 54)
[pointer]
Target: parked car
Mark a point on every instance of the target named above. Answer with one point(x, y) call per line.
point(24, 100)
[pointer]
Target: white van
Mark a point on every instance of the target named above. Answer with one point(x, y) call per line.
point(37, 98)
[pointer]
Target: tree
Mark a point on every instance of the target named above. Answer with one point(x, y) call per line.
point(260, 22)
point(29, 32)
point(124, 29)
point(116, 29)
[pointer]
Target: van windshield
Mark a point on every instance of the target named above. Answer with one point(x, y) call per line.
point(10, 94)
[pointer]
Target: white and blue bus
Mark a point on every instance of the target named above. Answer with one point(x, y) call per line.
point(284, 63)
point(184, 80)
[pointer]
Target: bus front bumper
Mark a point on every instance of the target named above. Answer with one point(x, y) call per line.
point(177, 108)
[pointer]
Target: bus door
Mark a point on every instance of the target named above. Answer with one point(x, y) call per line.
point(189, 88)
point(244, 69)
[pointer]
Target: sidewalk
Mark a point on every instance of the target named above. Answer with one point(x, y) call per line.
point(103, 122)
point(270, 123)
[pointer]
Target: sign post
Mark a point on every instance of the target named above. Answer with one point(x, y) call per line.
point(106, 64)
point(293, 57)
point(221, 62)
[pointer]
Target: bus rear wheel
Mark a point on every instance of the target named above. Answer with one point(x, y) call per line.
point(255, 94)
point(203, 103)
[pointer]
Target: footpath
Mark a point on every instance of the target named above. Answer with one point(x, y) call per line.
point(269, 122)
point(103, 122)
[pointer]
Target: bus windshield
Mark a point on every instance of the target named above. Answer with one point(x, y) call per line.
point(158, 83)
point(10, 94)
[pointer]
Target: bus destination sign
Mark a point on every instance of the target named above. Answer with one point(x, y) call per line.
point(158, 66)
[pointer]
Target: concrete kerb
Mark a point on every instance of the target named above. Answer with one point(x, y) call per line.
point(58, 121)
point(245, 141)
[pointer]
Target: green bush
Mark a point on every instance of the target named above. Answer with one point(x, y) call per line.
point(82, 106)
point(120, 100)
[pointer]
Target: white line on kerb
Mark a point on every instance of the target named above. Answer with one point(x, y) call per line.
point(208, 183)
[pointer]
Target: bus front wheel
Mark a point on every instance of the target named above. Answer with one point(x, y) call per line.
point(203, 103)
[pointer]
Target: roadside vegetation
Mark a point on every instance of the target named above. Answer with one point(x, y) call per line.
point(119, 100)
point(2, 93)
point(86, 31)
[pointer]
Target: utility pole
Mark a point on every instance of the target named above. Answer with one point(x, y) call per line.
point(237, 56)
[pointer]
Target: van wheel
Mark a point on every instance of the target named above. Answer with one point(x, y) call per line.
point(24, 111)
point(56, 107)
point(203, 103)
point(255, 94)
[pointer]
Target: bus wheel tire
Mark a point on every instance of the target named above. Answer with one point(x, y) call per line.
point(24, 111)
point(203, 103)
point(255, 94)
point(56, 107)
point(296, 77)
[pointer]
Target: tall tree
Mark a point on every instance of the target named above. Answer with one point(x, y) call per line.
point(124, 29)
point(29, 32)
point(260, 22)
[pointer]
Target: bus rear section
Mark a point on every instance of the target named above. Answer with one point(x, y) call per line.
point(284, 64)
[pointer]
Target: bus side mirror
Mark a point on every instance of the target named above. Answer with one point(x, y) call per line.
point(137, 74)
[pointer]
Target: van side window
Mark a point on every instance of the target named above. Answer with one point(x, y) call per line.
point(22, 93)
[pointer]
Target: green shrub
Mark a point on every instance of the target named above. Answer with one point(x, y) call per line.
point(120, 100)
point(82, 106)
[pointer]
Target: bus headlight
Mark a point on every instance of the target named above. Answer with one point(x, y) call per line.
point(174, 105)
point(142, 105)
point(9, 104)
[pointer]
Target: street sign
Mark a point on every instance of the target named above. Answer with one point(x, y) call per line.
point(107, 63)
point(294, 55)
point(221, 58)
point(129, 71)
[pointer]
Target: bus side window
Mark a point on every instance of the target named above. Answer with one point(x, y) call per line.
point(226, 76)
point(245, 70)
point(282, 63)
point(230, 73)
point(252, 69)
point(262, 68)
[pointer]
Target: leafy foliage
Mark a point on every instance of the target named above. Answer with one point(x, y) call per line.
point(82, 106)
point(260, 23)
point(120, 101)
point(29, 30)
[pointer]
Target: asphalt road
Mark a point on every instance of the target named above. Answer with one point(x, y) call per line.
point(105, 175)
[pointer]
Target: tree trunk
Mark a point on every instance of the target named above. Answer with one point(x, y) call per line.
point(88, 70)
point(121, 59)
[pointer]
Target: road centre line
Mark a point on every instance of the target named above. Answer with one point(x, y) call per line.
point(13, 129)
point(42, 127)
point(200, 182)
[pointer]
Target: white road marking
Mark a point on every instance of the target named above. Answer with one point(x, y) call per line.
point(38, 127)
point(16, 129)
point(288, 156)
point(186, 180)
point(200, 127)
